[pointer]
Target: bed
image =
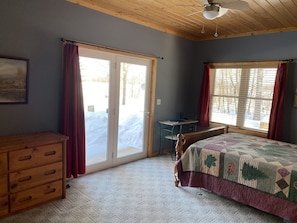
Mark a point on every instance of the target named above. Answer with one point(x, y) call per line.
point(252, 170)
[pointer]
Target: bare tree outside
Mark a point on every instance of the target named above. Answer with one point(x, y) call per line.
point(242, 96)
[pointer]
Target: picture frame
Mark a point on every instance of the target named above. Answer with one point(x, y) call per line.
point(14, 74)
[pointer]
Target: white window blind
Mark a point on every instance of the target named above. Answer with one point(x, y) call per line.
point(241, 95)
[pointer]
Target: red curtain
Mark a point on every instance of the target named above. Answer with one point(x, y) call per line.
point(203, 107)
point(277, 108)
point(73, 121)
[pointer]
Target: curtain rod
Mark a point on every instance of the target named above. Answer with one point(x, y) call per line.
point(264, 61)
point(106, 47)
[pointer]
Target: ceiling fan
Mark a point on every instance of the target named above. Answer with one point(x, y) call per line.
point(216, 8)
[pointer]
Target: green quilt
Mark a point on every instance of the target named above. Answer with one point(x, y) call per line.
point(266, 165)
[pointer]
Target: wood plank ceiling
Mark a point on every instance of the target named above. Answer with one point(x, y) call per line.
point(173, 17)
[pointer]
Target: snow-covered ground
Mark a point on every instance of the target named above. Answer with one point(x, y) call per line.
point(130, 132)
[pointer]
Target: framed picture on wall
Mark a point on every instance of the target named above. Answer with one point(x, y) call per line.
point(13, 80)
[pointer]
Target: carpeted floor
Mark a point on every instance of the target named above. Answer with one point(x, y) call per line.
point(139, 192)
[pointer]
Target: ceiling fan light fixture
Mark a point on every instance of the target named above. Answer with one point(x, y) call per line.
point(210, 12)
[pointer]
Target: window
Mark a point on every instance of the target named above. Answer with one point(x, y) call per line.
point(241, 94)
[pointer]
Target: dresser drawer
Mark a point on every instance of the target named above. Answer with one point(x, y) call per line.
point(25, 179)
point(33, 157)
point(3, 185)
point(3, 163)
point(35, 196)
point(3, 205)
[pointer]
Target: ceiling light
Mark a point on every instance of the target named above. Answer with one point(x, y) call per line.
point(211, 11)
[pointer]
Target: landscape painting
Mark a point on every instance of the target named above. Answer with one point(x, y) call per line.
point(13, 80)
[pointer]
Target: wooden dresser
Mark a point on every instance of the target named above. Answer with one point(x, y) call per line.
point(32, 170)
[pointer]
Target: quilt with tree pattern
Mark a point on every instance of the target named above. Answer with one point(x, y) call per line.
point(266, 165)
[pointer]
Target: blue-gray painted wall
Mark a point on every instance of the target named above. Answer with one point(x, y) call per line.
point(33, 28)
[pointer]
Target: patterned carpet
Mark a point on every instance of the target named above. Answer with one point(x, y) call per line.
point(139, 192)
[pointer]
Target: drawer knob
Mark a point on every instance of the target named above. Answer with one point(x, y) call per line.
point(26, 178)
point(51, 190)
point(24, 158)
point(50, 153)
point(24, 199)
point(49, 172)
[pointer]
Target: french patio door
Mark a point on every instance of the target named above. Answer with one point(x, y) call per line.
point(116, 91)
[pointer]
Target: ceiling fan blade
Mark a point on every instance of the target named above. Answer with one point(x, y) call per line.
point(222, 12)
point(237, 5)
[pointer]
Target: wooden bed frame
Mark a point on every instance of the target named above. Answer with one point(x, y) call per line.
point(254, 198)
point(186, 139)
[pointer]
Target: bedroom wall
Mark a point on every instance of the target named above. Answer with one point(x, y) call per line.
point(280, 46)
point(32, 29)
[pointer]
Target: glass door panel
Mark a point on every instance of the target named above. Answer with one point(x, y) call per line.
point(95, 83)
point(131, 109)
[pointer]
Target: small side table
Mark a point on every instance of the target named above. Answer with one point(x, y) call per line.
point(170, 129)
